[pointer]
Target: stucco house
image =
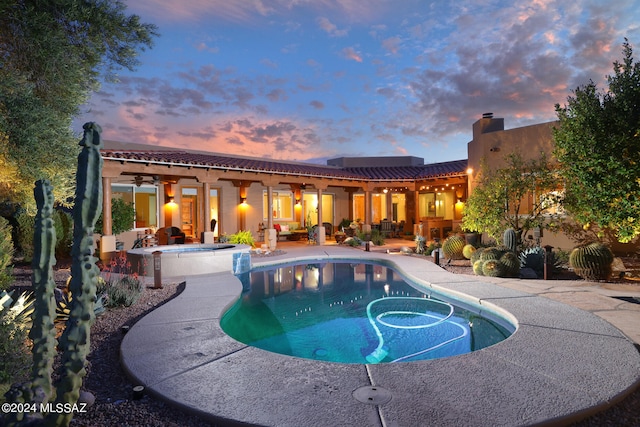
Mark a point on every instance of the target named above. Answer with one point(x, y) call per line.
point(187, 189)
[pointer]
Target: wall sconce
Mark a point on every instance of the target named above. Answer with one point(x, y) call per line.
point(298, 202)
point(171, 200)
point(385, 191)
point(243, 200)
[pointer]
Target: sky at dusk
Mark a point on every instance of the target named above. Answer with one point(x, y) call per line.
point(309, 80)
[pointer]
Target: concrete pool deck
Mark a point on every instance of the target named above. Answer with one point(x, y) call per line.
point(563, 363)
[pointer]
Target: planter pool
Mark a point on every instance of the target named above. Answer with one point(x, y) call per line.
point(186, 260)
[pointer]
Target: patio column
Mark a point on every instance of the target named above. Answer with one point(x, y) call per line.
point(270, 233)
point(320, 238)
point(389, 200)
point(107, 240)
point(416, 212)
point(367, 207)
point(207, 236)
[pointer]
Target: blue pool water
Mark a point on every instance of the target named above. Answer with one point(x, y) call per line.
point(354, 312)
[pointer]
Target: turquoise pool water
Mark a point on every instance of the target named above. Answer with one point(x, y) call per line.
point(354, 312)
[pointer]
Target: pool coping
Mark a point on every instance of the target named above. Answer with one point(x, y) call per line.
point(560, 365)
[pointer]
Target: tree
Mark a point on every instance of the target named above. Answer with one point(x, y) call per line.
point(517, 196)
point(53, 54)
point(598, 146)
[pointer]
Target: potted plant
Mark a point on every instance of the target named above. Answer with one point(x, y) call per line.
point(340, 236)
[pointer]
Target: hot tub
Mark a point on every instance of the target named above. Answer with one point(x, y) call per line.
point(186, 260)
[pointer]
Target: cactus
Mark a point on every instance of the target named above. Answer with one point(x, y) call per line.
point(511, 264)
point(84, 272)
point(452, 247)
point(475, 256)
point(490, 253)
point(592, 261)
point(493, 268)
point(43, 330)
point(510, 239)
point(477, 267)
point(468, 251)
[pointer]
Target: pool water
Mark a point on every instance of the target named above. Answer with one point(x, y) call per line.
point(354, 312)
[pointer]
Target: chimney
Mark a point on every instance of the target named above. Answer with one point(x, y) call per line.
point(487, 124)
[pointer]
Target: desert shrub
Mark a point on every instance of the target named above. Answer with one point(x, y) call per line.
point(124, 291)
point(6, 254)
point(15, 361)
point(377, 238)
point(353, 241)
point(533, 258)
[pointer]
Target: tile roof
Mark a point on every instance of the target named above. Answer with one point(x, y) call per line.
point(218, 161)
point(433, 170)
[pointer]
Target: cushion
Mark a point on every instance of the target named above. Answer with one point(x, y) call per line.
point(284, 228)
point(277, 227)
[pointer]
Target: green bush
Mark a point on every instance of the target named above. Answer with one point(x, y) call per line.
point(63, 223)
point(124, 291)
point(123, 214)
point(26, 225)
point(243, 237)
point(6, 254)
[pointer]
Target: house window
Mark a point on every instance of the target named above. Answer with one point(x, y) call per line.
point(282, 205)
point(438, 204)
point(145, 203)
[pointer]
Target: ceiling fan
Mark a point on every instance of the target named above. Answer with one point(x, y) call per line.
point(140, 179)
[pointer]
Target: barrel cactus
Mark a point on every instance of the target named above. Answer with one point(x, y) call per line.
point(494, 268)
point(468, 251)
point(511, 264)
point(510, 239)
point(491, 253)
point(475, 255)
point(477, 267)
point(591, 261)
point(452, 247)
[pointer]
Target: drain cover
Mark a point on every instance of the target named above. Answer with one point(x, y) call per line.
point(372, 395)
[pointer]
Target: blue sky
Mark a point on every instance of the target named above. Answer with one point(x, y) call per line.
point(309, 80)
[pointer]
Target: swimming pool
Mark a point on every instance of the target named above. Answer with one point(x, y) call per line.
point(355, 312)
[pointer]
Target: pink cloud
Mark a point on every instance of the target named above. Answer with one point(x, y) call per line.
point(351, 53)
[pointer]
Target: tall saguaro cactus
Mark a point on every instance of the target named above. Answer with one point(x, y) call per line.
point(75, 341)
point(43, 330)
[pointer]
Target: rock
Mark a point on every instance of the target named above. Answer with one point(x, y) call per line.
point(86, 397)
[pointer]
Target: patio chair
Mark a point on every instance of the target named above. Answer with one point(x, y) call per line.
point(170, 236)
point(387, 228)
